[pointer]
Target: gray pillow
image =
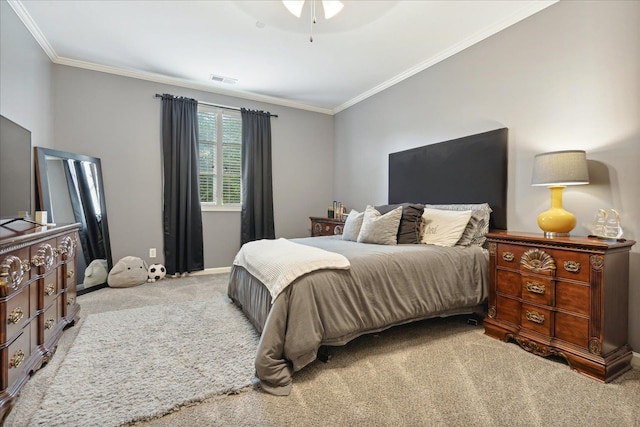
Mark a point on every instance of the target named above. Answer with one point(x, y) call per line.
point(409, 229)
point(470, 231)
point(352, 225)
point(378, 228)
point(480, 211)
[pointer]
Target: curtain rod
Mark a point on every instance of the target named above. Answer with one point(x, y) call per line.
point(226, 107)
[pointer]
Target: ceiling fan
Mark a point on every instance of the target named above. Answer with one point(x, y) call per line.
point(331, 9)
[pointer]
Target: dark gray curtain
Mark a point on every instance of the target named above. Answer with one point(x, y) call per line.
point(257, 191)
point(182, 219)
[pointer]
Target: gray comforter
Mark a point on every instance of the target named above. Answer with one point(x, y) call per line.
point(385, 286)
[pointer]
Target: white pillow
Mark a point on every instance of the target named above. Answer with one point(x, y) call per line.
point(443, 227)
point(352, 225)
point(380, 229)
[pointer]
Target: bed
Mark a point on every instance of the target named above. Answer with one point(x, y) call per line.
point(383, 285)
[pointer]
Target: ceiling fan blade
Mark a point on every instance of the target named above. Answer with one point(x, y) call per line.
point(331, 8)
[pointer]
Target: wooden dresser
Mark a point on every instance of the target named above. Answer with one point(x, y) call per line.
point(565, 296)
point(325, 226)
point(37, 299)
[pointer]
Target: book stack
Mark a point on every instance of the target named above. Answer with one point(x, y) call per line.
point(336, 210)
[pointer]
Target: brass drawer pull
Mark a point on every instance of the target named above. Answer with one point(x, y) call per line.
point(67, 247)
point(508, 256)
point(16, 315)
point(16, 359)
point(70, 300)
point(50, 289)
point(26, 265)
point(11, 272)
point(49, 324)
point(572, 266)
point(535, 317)
point(70, 274)
point(536, 288)
point(45, 256)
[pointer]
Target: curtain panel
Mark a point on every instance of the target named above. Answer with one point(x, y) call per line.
point(182, 217)
point(257, 221)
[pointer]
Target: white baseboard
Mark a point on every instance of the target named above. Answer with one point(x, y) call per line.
point(635, 360)
point(216, 270)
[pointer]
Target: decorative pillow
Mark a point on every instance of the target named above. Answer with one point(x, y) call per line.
point(352, 225)
point(409, 229)
point(378, 228)
point(480, 211)
point(469, 231)
point(443, 227)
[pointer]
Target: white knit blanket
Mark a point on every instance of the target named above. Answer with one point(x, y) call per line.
point(277, 263)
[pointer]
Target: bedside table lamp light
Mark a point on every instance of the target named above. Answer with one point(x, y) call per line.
point(556, 170)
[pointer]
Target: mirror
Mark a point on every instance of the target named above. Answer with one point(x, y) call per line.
point(69, 187)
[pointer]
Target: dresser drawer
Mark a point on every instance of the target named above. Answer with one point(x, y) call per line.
point(67, 278)
point(507, 310)
point(571, 265)
point(15, 269)
point(16, 356)
point(51, 319)
point(44, 257)
point(537, 289)
point(508, 282)
point(573, 329)
point(536, 319)
point(573, 297)
point(509, 255)
point(49, 288)
point(326, 226)
point(17, 309)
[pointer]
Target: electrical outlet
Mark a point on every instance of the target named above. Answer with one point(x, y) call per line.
point(152, 252)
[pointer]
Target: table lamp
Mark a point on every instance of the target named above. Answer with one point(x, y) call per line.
point(556, 170)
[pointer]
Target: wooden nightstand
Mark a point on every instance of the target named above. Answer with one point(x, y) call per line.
point(564, 296)
point(325, 226)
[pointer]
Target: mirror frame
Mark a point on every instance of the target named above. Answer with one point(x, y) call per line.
point(43, 196)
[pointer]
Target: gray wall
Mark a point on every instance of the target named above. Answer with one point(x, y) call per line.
point(565, 78)
point(25, 81)
point(117, 119)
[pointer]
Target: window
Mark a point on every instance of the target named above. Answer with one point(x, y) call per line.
point(220, 135)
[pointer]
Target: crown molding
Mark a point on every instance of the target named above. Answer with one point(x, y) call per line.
point(159, 78)
point(28, 22)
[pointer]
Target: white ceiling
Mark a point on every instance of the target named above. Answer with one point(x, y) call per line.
point(368, 47)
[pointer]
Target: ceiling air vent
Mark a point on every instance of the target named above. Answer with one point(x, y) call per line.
point(223, 79)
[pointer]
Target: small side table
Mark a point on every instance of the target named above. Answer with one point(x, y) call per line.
point(325, 226)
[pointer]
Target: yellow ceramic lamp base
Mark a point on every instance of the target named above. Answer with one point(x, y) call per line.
point(556, 221)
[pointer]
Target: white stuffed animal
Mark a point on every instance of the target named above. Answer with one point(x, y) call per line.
point(96, 273)
point(156, 272)
point(129, 271)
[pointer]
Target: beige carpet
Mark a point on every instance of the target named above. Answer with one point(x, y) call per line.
point(439, 372)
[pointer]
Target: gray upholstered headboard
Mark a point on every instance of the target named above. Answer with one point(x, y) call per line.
point(472, 169)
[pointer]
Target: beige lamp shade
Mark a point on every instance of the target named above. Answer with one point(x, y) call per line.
point(557, 170)
point(560, 168)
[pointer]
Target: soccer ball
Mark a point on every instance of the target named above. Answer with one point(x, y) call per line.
point(156, 272)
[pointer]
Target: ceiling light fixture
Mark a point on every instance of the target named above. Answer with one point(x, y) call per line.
point(331, 9)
